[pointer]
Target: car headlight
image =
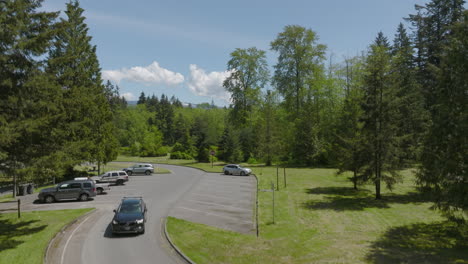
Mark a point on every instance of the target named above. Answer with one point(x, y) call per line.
point(139, 221)
point(115, 222)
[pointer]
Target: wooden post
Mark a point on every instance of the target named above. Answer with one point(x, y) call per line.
point(284, 174)
point(277, 178)
point(19, 208)
point(273, 190)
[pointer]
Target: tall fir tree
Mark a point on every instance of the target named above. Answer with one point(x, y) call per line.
point(432, 24)
point(30, 101)
point(380, 118)
point(87, 127)
point(444, 167)
point(348, 143)
point(413, 117)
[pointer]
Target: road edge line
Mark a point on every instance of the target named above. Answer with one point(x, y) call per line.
point(62, 230)
point(181, 254)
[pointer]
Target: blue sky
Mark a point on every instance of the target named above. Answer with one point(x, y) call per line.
point(181, 48)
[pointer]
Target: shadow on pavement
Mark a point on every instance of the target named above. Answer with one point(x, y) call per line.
point(108, 233)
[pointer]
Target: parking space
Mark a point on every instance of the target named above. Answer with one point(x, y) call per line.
point(222, 201)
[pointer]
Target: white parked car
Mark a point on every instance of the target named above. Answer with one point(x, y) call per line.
point(236, 169)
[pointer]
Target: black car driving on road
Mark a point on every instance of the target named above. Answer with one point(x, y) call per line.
point(130, 216)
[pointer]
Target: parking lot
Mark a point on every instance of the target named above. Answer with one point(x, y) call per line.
point(219, 200)
point(209, 198)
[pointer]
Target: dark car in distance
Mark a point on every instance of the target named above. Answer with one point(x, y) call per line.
point(70, 190)
point(130, 216)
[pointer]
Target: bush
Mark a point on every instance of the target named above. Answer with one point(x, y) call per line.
point(180, 155)
point(252, 160)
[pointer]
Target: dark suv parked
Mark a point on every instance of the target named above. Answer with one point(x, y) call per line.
point(76, 190)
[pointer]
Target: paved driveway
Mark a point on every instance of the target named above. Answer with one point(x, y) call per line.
point(187, 193)
point(222, 201)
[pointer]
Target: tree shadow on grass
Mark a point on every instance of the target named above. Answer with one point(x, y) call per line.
point(343, 191)
point(11, 231)
point(345, 198)
point(443, 242)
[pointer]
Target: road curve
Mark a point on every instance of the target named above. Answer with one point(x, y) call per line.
point(93, 243)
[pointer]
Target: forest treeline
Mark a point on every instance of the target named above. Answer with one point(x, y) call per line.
point(399, 104)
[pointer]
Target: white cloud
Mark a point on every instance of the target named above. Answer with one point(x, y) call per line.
point(129, 96)
point(208, 84)
point(151, 74)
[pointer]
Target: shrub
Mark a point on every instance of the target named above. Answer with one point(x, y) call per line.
point(180, 155)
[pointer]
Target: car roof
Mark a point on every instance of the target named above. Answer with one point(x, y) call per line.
point(132, 200)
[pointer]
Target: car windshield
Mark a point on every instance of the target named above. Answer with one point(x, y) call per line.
point(130, 207)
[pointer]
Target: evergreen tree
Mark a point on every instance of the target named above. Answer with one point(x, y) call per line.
point(444, 168)
point(165, 120)
point(30, 101)
point(413, 118)
point(432, 25)
point(142, 98)
point(269, 138)
point(349, 141)
point(379, 118)
point(87, 125)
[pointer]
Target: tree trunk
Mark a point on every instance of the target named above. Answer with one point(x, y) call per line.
point(355, 180)
point(14, 185)
point(99, 167)
point(377, 187)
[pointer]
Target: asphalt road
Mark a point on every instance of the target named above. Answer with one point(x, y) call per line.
point(91, 241)
point(209, 198)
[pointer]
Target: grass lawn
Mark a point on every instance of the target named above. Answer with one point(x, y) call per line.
point(25, 240)
point(319, 218)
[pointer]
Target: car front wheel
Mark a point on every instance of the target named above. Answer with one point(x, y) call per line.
point(147, 172)
point(226, 172)
point(99, 190)
point(129, 173)
point(242, 173)
point(83, 197)
point(49, 199)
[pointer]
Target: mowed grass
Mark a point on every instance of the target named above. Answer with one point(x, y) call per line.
point(319, 218)
point(25, 240)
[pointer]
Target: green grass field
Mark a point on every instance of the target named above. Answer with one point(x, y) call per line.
point(25, 240)
point(319, 218)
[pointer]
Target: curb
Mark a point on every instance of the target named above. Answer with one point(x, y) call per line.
point(182, 255)
point(62, 230)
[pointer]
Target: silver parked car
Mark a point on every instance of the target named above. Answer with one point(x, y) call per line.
point(69, 190)
point(236, 169)
point(145, 168)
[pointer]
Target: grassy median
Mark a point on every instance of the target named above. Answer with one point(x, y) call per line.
point(319, 218)
point(25, 240)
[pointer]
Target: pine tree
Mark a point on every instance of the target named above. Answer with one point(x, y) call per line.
point(30, 101)
point(413, 118)
point(379, 118)
point(433, 23)
point(87, 125)
point(348, 145)
point(444, 168)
